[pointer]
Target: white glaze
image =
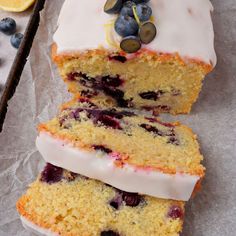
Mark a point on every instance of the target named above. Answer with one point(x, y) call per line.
point(30, 226)
point(184, 27)
point(97, 165)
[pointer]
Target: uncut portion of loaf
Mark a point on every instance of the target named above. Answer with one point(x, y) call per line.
point(67, 204)
point(164, 76)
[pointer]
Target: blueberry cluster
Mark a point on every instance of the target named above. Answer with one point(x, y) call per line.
point(133, 23)
point(8, 27)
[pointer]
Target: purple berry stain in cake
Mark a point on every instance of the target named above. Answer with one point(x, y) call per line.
point(109, 121)
point(116, 202)
point(109, 118)
point(72, 76)
point(131, 199)
point(102, 148)
point(118, 58)
point(155, 120)
point(111, 81)
point(175, 212)
point(174, 140)
point(51, 174)
point(87, 101)
point(151, 95)
point(109, 233)
point(150, 128)
point(88, 93)
point(106, 84)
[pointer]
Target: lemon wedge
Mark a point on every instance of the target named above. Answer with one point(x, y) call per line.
point(15, 5)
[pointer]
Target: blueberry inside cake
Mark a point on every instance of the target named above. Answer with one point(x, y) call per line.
point(123, 147)
point(63, 203)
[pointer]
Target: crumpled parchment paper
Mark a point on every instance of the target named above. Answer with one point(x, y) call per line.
point(212, 212)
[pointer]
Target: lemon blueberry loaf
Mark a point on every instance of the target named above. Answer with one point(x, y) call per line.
point(172, 45)
point(63, 203)
point(128, 150)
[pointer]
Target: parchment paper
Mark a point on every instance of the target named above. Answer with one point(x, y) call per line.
point(212, 212)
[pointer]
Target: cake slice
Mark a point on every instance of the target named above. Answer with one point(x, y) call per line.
point(164, 76)
point(131, 151)
point(63, 203)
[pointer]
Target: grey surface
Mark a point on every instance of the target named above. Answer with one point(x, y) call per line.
point(212, 212)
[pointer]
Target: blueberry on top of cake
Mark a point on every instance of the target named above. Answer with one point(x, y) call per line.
point(160, 49)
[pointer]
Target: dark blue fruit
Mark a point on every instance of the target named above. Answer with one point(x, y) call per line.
point(128, 8)
point(109, 233)
point(151, 95)
point(113, 6)
point(102, 148)
point(51, 174)
point(144, 12)
point(140, 1)
point(126, 26)
point(130, 44)
point(147, 32)
point(8, 26)
point(131, 199)
point(16, 40)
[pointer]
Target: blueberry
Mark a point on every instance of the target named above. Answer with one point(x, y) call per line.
point(175, 212)
point(144, 12)
point(51, 174)
point(127, 8)
point(8, 26)
point(102, 148)
point(113, 6)
point(130, 44)
point(140, 1)
point(16, 40)
point(151, 95)
point(131, 199)
point(116, 202)
point(126, 26)
point(109, 233)
point(119, 58)
point(111, 81)
point(147, 32)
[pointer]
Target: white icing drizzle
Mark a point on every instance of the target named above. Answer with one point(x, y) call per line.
point(98, 165)
point(184, 27)
point(30, 226)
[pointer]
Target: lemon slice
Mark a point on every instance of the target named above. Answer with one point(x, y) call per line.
point(15, 5)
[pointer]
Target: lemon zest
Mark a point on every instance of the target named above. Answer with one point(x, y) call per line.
point(136, 15)
point(110, 40)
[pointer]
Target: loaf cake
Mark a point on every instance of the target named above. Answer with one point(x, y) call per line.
point(164, 75)
point(132, 151)
point(63, 203)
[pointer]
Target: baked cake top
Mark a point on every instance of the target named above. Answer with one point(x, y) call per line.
point(183, 27)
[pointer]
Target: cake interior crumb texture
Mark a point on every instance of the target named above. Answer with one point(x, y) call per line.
point(72, 205)
point(151, 81)
point(140, 140)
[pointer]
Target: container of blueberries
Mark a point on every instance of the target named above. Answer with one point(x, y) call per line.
point(21, 43)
